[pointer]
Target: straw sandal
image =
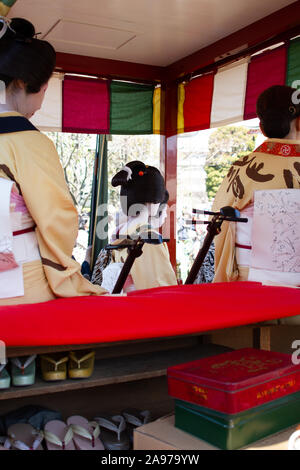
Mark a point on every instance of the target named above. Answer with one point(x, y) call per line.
point(23, 370)
point(58, 436)
point(81, 364)
point(113, 432)
point(54, 367)
point(4, 377)
point(86, 434)
point(23, 436)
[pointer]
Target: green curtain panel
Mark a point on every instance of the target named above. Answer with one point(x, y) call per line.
point(98, 221)
point(293, 65)
point(131, 108)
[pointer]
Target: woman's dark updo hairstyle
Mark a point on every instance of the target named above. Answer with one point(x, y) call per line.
point(276, 108)
point(140, 184)
point(23, 57)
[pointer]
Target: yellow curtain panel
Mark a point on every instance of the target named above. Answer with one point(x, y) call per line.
point(156, 110)
point(180, 115)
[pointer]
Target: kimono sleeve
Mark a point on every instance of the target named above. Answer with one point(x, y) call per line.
point(46, 194)
point(225, 264)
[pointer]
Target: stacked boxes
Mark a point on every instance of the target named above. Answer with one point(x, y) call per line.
point(236, 398)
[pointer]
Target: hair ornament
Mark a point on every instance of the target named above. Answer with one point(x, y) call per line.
point(5, 22)
point(292, 110)
point(128, 171)
point(141, 173)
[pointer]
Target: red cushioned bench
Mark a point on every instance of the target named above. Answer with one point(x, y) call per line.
point(136, 338)
point(153, 313)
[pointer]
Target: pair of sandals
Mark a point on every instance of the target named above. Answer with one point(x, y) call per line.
point(109, 433)
point(22, 372)
point(76, 434)
point(22, 436)
point(80, 434)
point(103, 433)
point(75, 365)
point(117, 431)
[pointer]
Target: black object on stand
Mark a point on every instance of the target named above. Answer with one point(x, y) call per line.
point(228, 214)
point(135, 250)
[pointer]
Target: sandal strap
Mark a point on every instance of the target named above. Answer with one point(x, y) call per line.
point(16, 361)
point(107, 424)
point(54, 439)
point(83, 432)
point(5, 441)
point(146, 415)
point(54, 362)
point(135, 420)
point(2, 366)
point(82, 359)
point(20, 445)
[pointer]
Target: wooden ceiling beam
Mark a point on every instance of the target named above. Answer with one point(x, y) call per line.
point(271, 26)
point(107, 68)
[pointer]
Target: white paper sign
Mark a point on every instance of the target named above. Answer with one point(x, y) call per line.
point(11, 274)
point(276, 236)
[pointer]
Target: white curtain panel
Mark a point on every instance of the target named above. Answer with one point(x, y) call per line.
point(229, 94)
point(49, 117)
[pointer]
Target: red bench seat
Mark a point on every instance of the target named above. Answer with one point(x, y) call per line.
point(152, 313)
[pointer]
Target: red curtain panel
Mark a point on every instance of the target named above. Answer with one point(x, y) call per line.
point(265, 70)
point(86, 105)
point(198, 102)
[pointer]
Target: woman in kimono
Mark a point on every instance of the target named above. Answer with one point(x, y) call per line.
point(143, 200)
point(43, 222)
point(273, 165)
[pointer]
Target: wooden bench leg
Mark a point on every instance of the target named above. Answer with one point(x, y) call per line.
point(262, 338)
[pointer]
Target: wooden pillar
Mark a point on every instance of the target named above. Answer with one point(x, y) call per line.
point(168, 161)
point(262, 338)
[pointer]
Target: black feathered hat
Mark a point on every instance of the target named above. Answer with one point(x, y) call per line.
point(140, 184)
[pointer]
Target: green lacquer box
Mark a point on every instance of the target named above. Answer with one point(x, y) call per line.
point(233, 431)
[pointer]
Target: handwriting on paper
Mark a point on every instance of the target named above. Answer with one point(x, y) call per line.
point(277, 227)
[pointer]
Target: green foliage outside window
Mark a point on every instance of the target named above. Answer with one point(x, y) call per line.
point(226, 145)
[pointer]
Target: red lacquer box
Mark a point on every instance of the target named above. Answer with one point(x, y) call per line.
point(235, 381)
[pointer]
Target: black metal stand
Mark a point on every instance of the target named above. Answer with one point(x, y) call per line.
point(135, 251)
point(228, 214)
point(212, 230)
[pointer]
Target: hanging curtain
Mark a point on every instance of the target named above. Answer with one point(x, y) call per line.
point(5, 6)
point(131, 108)
point(195, 102)
point(98, 237)
point(49, 117)
point(180, 112)
point(265, 70)
point(157, 111)
point(229, 94)
point(293, 63)
point(85, 105)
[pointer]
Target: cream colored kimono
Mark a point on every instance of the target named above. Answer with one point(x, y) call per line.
point(152, 269)
point(34, 164)
point(274, 165)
